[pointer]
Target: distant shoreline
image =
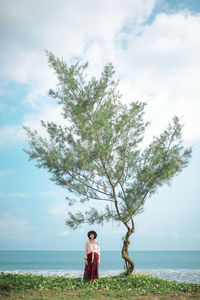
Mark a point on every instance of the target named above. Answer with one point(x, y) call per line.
point(188, 276)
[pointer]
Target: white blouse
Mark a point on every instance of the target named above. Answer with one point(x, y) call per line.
point(92, 247)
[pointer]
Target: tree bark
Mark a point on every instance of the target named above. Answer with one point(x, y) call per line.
point(128, 261)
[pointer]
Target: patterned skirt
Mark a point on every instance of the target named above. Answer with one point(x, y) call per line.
point(92, 269)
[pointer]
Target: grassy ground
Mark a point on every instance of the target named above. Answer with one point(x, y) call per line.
point(137, 286)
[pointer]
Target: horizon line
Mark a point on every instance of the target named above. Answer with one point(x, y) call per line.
point(101, 250)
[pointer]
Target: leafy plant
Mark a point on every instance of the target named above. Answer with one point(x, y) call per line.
point(114, 286)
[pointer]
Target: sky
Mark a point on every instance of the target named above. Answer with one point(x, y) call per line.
point(154, 46)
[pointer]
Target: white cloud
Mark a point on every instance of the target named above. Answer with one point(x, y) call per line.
point(50, 193)
point(146, 233)
point(13, 195)
point(120, 231)
point(58, 209)
point(16, 134)
point(175, 235)
point(46, 113)
point(64, 233)
point(10, 133)
point(194, 235)
point(5, 172)
point(15, 227)
point(161, 67)
point(69, 28)
point(66, 27)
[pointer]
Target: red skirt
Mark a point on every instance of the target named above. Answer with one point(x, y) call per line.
point(92, 269)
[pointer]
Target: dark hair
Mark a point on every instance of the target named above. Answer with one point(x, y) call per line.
point(92, 232)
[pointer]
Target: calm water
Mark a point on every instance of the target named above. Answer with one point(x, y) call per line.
point(172, 265)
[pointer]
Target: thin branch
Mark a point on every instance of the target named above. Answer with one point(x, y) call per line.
point(92, 198)
point(133, 225)
point(123, 162)
point(100, 199)
point(102, 216)
point(145, 195)
point(81, 148)
point(88, 185)
point(127, 226)
point(98, 184)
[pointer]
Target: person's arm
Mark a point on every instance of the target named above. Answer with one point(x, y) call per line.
point(85, 257)
point(98, 250)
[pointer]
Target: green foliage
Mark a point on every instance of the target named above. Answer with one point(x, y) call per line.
point(114, 286)
point(98, 154)
point(91, 216)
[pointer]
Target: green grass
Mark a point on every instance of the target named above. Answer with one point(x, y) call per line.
point(137, 286)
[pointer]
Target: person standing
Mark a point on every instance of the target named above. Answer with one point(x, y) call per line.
point(92, 258)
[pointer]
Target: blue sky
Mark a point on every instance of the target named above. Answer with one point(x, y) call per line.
point(154, 46)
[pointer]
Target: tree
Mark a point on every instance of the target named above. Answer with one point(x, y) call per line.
point(98, 154)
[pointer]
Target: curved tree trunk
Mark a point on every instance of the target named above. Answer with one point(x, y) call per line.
point(128, 261)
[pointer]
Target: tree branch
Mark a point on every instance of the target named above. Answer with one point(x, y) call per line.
point(88, 185)
point(79, 174)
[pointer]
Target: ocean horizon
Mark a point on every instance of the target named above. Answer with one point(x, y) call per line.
point(179, 265)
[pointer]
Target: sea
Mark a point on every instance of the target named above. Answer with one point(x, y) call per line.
point(182, 266)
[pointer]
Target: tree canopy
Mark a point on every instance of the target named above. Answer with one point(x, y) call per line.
point(98, 155)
